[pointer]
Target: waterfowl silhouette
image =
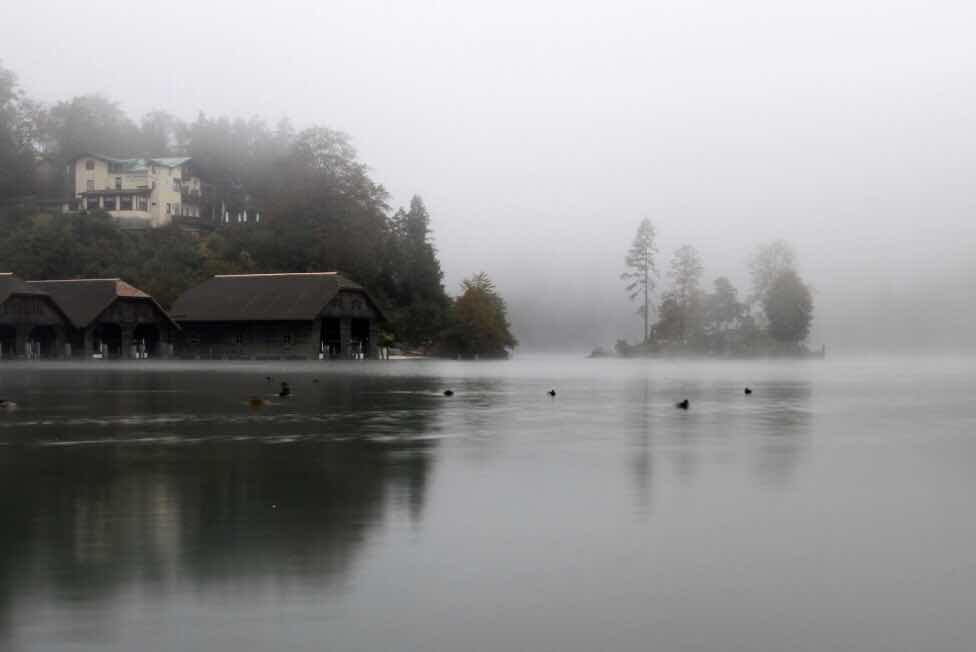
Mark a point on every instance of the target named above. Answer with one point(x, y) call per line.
point(683, 404)
point(7, 405)
point(748, 391)
point(448, 392)
point(551, 392)
point(285, 390)
point(268, 378)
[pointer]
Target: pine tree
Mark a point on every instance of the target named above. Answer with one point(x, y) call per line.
point(640, 280)
point(417, 288)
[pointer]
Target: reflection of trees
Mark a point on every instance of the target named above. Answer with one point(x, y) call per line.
point(87, 522)
point(689, 428)
point(775, 422)
point(784, 423)
point(298, 513)
point(641, 461)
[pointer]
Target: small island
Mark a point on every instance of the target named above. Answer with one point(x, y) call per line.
point(774, 321)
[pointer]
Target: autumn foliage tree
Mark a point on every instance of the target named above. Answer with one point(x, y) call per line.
point(479, 325)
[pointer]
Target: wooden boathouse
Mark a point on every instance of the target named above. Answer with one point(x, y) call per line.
point(111, 319)
point(319, 315)
point(32, 325)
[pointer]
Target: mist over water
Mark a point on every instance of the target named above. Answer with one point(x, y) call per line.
point(164, 506)
point(149, 507)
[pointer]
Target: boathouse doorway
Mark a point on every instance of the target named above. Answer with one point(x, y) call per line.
point(360, 338)
point(42, 342)
point(331, 338)
point(108, 340)
point(146, 338)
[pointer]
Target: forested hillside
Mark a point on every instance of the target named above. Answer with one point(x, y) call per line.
point(321, 210)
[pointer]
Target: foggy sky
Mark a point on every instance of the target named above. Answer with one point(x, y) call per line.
point(540, 133)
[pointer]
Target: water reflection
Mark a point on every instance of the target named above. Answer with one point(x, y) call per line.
point(784, 425)
point(641, 460)
point(96, 501)
point(85, 522)
point(481, 410)
point(767, 433)
point(165, 489)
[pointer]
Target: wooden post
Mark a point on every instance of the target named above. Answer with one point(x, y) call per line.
point(59, 342)
point(88, 344)
point(163, 346)
point(126, 342)
point(315, 339)
point(373, 344)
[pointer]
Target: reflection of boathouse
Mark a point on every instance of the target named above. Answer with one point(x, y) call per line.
point(111, 319)
point(301, 316)
point(31, 323)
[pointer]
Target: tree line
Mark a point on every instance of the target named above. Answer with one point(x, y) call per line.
point(774, 319)
point(321, 211)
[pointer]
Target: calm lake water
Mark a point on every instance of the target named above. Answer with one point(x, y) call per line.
point(151, 508)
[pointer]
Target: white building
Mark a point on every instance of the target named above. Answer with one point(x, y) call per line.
point(137, 191)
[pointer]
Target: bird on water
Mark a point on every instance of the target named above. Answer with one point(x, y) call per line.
point(682, 404)
point(285, 390)
point(448, 392)
point(551, 392)
point(747, 391)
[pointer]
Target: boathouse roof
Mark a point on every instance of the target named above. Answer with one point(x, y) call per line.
point(263, 297)
point(10, 284)
point(83, 300)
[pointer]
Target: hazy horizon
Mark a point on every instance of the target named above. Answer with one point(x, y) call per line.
point(540, 134)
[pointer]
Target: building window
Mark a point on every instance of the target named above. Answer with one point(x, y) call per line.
point(91, 185)
point(125, 202)
point(239, 339)
point(89, 164)
point(169, 209)
point(176, 185)
point(287, 340)
point(142, 203)
point(91, 203)
point(118, 183)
